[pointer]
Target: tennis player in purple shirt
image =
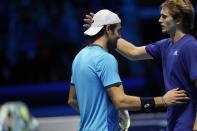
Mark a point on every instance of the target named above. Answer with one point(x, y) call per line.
point(178, 56)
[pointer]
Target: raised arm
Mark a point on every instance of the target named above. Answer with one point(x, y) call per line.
point(125, 48)
point(130, 51)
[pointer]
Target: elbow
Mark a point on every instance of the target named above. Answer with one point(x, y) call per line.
point(118, 107)
point(118, 104)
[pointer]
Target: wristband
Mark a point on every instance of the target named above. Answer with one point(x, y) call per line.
point(147, 103)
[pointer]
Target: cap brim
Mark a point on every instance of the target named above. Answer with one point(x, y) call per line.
point(93, 30)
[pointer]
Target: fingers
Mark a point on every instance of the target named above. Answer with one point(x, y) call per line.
point(181, 91)
point(183, 98)
point(181, 95)
point(89, 21)
point(175, 89)
point(180, 103)
point(88, 17)
point(86, 25)
point(92, 14)
point(178, 91)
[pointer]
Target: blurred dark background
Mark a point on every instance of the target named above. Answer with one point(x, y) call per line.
point(40, 38)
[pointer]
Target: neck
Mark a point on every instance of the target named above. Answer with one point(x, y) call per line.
point(102, 41)
point(177, 35)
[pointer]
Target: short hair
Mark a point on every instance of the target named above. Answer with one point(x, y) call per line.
point(181, 9)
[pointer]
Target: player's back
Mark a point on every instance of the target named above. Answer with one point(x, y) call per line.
point(96, 110)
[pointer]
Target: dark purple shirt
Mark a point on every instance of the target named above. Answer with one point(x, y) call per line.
point(179, 64)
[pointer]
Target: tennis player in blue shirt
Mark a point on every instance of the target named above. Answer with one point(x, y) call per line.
point(96, 90)
point(178, 56)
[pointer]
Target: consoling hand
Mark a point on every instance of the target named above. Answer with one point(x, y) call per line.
point(175, 96)
point(88, 20)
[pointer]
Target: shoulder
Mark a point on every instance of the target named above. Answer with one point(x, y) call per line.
point(106, 60)
point(191, 44)
point(79, 55)
point(162, 41)
point(167, 40)
point(160, 44)
point(107, 57)
point(189, 49)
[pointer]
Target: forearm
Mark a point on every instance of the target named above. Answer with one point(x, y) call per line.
point(133, 103)
point(126, 49)
point(159, 101)
point(130, 51)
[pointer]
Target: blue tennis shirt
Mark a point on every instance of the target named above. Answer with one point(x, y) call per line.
point(179, 63)
point(93, 71)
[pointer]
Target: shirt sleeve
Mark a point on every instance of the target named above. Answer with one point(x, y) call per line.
point(155, 49)
point(190, 59)
point(107, 70)
point(72, 80)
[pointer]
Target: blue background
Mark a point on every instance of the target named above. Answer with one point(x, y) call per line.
point(40, 38)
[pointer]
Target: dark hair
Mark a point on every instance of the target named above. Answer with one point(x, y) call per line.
point(102, 32)
point(183, 10)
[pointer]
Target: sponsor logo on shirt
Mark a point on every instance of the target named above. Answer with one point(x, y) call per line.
point(175, 53)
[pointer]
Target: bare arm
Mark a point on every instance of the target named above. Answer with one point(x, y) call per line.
point(130, 51)
point(73, 98)
point(195, 123)
point(122, 101)
point(124, 47)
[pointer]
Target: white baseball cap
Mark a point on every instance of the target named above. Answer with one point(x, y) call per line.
point(101, 18)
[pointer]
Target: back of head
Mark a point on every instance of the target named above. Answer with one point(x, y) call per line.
point(181, 10)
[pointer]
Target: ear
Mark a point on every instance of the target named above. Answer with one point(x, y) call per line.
point(107, 30)
point(107, 27)
point(178, 21)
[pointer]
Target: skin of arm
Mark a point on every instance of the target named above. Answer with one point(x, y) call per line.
point(127, 49)
point(122, 101)
point(72, 100)
point(195, 123)
point(130, 51)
